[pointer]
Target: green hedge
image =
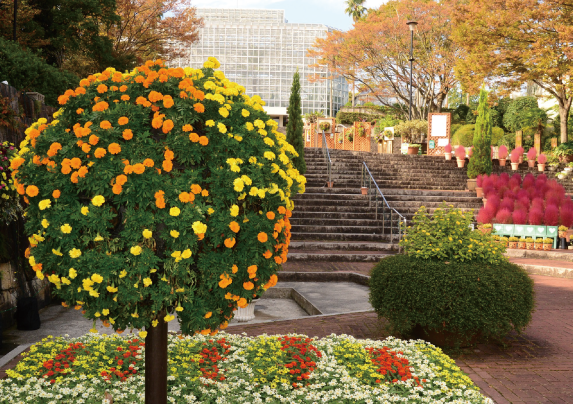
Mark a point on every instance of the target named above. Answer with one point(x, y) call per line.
point(28, 72)
point(349, 118)
point(464, 135)
point(472, 298)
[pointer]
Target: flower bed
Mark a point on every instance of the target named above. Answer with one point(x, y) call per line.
point(239, 369)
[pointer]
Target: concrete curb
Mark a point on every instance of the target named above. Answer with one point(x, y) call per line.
point(556, 272)
point(538, 254)
point(13, 353)
point(323, 277)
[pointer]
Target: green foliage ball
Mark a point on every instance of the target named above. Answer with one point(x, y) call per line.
point(469, 298)
point(157, 192)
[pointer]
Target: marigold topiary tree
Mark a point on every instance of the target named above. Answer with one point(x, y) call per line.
point(159, 192)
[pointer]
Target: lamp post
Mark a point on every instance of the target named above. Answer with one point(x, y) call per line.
point(411, 25)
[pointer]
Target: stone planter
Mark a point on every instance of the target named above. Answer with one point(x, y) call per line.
point(552, 168)
point(448, 156)
point(541, 167)
point(514, 166)
point(502, 162)
point(244, 314)
point(472, 184)
point(479, 192)
point(413, 150)
point(531, 163)
point(520, 159)
point(461, 163)
point(364, 190)
point(484, 202)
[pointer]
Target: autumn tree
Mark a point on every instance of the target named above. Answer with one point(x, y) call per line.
point(376, 52)
point(29, 33)
point(510, 42)
point(153, 28)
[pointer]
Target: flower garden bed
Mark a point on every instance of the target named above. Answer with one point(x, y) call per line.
point(238, 369)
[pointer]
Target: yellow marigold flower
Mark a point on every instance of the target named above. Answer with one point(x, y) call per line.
point(179, 308)
point(269, 155)
point(111, 289)
point(176, 254)
point(174, 233)
point(105, 312)
point(147, 233)
point(98, 200)
point(97, 278)
point(253, 160)
point(249, 126)
point(135, 250)
point(222, 128)
point(57, 252)
point(98, 238)
point(224, 112)
point(269, 141)
point(45, 223)
point(210, 123)
point(154, 323)
point(44, 204)
point(169, 317)
point(234, 210)
point(186, 254)
point(174, 211)
point(142, 334)
point(210, 211)
point(123, 274)
point(199, 228)
point(147, 282)
point(75, 253)
point(245, 113)
point(66, 229)
point(238, 184)
point(85, 210)
point(93, 330)
point(73, 273)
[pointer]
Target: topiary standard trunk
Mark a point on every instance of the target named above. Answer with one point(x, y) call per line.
point(480, 162)
point(295, 125)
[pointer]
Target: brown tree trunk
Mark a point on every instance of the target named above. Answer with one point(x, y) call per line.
point(564, 107)
point(156, 363)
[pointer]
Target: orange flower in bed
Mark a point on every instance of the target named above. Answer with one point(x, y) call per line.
point(268, 254)
point(248, 285)
point(32, 190)
point(167, 126)
point(278, 260)
point(167, 165)
point(154, 96)
point(148, 163)
point(194, 137)
point(123, 120)
point(102, 88)
point(234, 226)
point(116, 189)
point(105, 124)
point(127, 134)
point(262, 237)
point(168, 101)
point(196, 188)
point(114, 148)
point(184, 197)
point(56, 194)
point(270, 215)
point(187, 128)
point(199, 107)
point(75, 163)
point(83, 171)
point(121, 179)
point(125, 97)
point(100, 152)
point(203, 141)
point(86, 148)
point(282, 210)
point(100, 106)
point(93, 140)
point(138, 168)
point(229, 242)
point(169, 155)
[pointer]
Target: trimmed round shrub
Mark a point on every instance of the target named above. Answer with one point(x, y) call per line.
point(464, 135)
point(158, 192)
point(469, 298)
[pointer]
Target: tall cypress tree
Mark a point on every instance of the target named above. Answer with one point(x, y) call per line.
point(480, 162)
point(295, 126)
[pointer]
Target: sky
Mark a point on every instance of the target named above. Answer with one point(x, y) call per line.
point(328, 12)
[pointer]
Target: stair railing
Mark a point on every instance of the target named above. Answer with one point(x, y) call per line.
point(385, 210)
point(326, 155)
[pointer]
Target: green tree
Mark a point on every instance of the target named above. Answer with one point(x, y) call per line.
point(355, 9)
point(295, 125)
point(480, 163)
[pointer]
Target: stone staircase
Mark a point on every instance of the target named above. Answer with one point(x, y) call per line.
point(340, 224)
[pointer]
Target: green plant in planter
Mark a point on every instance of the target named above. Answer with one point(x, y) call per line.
point(480, 162)
point(547, 240)
point(410, 130)
point(361, 131)
point(350, 135)
point(325, 126)
point(513, 239)
point(564, 150)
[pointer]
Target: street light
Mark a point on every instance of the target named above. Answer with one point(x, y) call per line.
point(411, 25)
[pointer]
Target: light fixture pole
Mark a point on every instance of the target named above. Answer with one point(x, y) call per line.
point(14, 37)
point(411, 25)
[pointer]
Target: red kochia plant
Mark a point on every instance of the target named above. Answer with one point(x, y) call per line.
point(479, 180)
point(528, 181)
point(551, 217)
point(567, 214)
point(485, 215)
point(507, 203)
point(535, 215)
point(519, 216)
point(448, 148)
point(502, 152)
point(503, 216)
point(514, 156)
point(461, 152)
point(542, 159)
point(532, 153)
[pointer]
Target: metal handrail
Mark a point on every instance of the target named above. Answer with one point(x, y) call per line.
point(385, 205)
point(326, 154)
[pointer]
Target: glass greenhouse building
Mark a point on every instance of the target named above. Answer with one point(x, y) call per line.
point(260, 50)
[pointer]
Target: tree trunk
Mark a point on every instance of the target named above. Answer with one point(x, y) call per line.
point(156, 363)
point(564, 107)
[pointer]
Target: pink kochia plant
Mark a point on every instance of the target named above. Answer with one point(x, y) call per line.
point(479, 180)
point(502, 152)
point(503, 216)
point(542, 159)
point(448, 148)
point(532, 153)
point(461, 152)
point(515, 155)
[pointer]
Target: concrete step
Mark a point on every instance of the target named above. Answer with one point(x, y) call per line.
point(346, 256)
point(341, 246)
point(322, 236)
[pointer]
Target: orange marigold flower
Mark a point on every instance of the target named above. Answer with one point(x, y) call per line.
point(203, 141)
point(102, 88)
point(169, 155)
point(62, 99)
point(234, 226)
point(36, 159)
point(248, 285)
point(76, 163)
point(123, 120)
point(139, 79)
point(155, 108)
point(282, 210)
point(66, 169)
point(80, 91)
point(100, 152)
point(242, 303)
point(187, 128)
point(199, 107)
point(229, 242)
point(268, 254)
point(278, 260)
point(148, 163)
point(154, 96)
point(83, 171)
point(21, 189)
point(74, 177)
point(105, 124)
point(196, 188)
point(120, 179)
point(262, 237)
point(86, 148)
point(128, 169)
point(200, 95)
point(123, 89)
point(79, 111)
point(183, 95)
point(17, 162)
point(140, 101)
point(184, 197)
point(113, 88)
point(32, 190)
point(168, 101)
point(270, 215)
point(125, 97)
point(116, 189)
point(127, 134)
point(167, 126)
point(234, 269)
point(114, 148)
point(194, 137)
point(157, 122)
point(167, 165)
point(93, 140)
point(138, 168)
point(205, 193)
point(100, 106)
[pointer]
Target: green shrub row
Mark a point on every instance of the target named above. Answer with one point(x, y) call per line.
point(349, 118)
point(464, 135)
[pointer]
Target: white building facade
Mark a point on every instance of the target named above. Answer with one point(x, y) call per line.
point(261, 51)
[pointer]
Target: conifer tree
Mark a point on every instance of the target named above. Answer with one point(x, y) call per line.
point(480, 162)
point(295, 125)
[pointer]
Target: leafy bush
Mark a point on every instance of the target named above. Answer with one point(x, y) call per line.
point(454, 128)
point(564, 149)
point(27, 72)
point(348, 118)
point(465, 135)
point(468, 298)
point(151, 206)
point(518, 113)
point(460, 113)
point(447, 235)
point(411, 130)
